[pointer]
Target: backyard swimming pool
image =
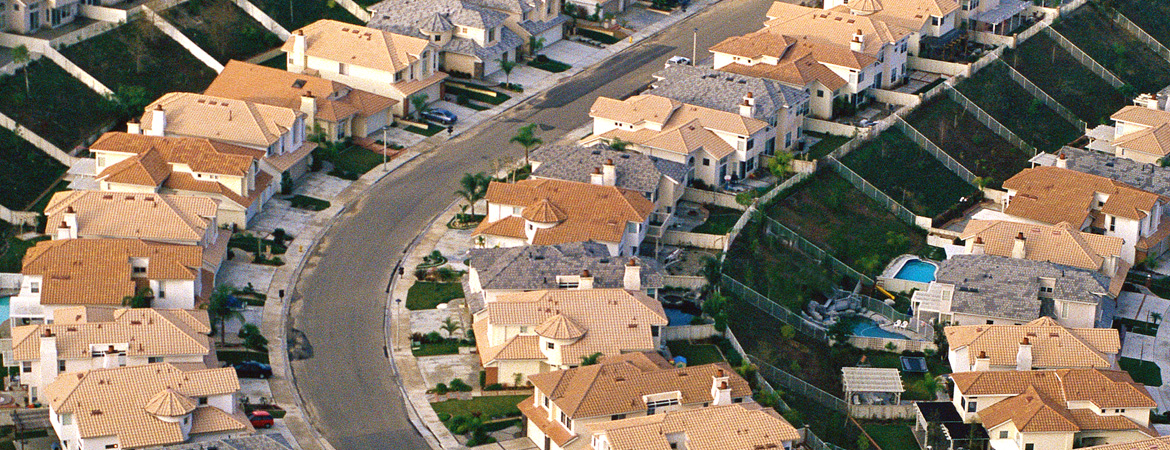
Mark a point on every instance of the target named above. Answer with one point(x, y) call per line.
point(916, 270)
point(4, 309)
point(869, 328)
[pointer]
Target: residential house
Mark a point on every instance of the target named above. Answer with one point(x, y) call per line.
point(1147, 177)
point(331, 108)
point(492, 272)
point(103, 272)
point(1140, 132)
point(131, 164)
point(1054, 409)
point(932, 22)
point(144, 406)
point(387, 64)
point(529, 333)
point(85, 338)
point(279, 133)
point(1050, 195)
point(567, 404)
point(716, 146)
point(471, 39)
point(164, 218)
point(995, 290)
point(1158, 443)
point(1061, 244)
point(660, 180)
point(832, 54)
point(30, 16)
point(1002, 17)
point(1041, 344)
point(713, 428)
point(783, 107)
point(531, 20)
point(549, 212)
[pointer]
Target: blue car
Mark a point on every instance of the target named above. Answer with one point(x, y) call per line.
point(440, 116)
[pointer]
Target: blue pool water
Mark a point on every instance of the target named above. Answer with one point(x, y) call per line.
point(869, 328)
point(3, 309)
point(916, 270)
point(674, 316)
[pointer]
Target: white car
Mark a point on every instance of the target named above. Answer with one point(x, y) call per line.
point(683, 60)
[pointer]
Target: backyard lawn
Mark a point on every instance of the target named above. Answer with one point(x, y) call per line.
point(719, 221)
point(1056, 72)
point(1016, 109)
point(826, 145)
point(696, 354)
point(962, 137)
point(773, 269)
point(294, 14)
point(1115, 48)
point(892, 435)
point(1144, 372)
point(138, 54)
point(222, 29)
point(1152, 16)
point(428, 294)
point(486, 407)
point(54, 105)
point(898, 167)
point(25, 171)
point(13, 250)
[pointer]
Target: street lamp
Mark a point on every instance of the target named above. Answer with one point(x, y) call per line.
point(398, 310)
point(695, 47)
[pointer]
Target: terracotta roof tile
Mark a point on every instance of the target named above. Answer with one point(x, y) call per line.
point(1053, 195)
point(591, 212)
point(1053, 345)
point(160, 217)
point(98, 271)
point(361, 46)
point(266, 85)
point(1060, 243)
point(148, 331)
point(711, 428)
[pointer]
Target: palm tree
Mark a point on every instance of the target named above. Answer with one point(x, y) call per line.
point(590, 359)
point(619, 145)
point(419, 103)
point(220, 310)
point(474, 188)
point(20, 56)
point(450, 326)
point(507, 66)
point(535, 43)
point(526, 136)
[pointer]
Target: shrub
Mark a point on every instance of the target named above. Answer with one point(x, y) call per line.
point(458, 385)
point(440, 389)
point(432, 338)
point(444, 417)
point(482, 378)
point(494, 387)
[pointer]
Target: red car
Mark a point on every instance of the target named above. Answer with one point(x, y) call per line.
point(261, 419)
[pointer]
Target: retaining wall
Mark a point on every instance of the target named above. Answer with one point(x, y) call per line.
point(186, 42)
point(263, 18)
point(712, 198)
point(684, 281)
point(19, 217)
point(895, 97)
point(688, 332)
point(829, 127)
point(37, 141)
point(355, 9)
point(699, 240)
point(77, 72)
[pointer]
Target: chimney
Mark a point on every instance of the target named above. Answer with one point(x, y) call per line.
point(298, 56)
point(609, 173)
point(857, 44)
point(747, 107)
point(110, 358)
point(978, 247)
point(585, 281)
point(132, 127)
point(632, 281)
point(720, 389)
point(158, 122)
point(1024, 355)
point(596, 177)
point(1018, 250)
point(309, 107)
point(982, 363)
point(70, 220)
point(64, 232)
point(1109, 265)
point(48, 356)
point(1062, 161)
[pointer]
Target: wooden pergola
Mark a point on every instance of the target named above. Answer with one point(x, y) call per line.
point(872, 379)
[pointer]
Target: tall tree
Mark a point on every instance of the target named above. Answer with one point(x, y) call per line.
point(450, 325)
point(419, 103)
point(21, 56)
point(526, 137)
point(473, 188)
point(221, 311)
point(507, 66)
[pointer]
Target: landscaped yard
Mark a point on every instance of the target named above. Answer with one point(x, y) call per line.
point(484, 407)
point(775, 270)
point(892, 435)
point(309, 203)
point(428, 295)
point(431, 129)
point(25, 171)
point(447, 347)
point(356, 160)
point(696, 354)
point(962, 137)
point(222, 29)
point(294, 14)
point(1136, 326)
point(549, 65)
point(474, 93)
point(719, 221)
point(826, 145)
point(54, 105)
point(908, 174)
point(1144, 372)
point(1115, 48)
point(840, 219)
point(1016, 109)
point(138, 54)
point(1055, 71)
point(1152, 16)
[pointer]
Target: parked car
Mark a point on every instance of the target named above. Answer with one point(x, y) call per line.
point(440, 116)
point(683, 60)
point(261, 419)
point(252, 369)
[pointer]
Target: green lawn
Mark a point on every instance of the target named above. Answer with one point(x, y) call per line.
point(1005, 100)
point(550, 65)
point(892, 435)
point(234, 356)
point(54, 105)
point(598, 36)
point(43, 202)
point(1054, 70)
point(428, 295)
point(276, 62)
point(357, 159)
point(138, 54)
point(1114, 48)
point(309, 203)
point(826, 145)
point(898, 166)
point(447, 347)
point(696, 354)
point(1144, 372)
point(458, 90)
point(1152, 16)
point(966, 140)
point(720, 220)
point(487, 407)
point(1136, 326)
point(221, 29)
point(431, 129)
point(25, 171)
point(294, 14)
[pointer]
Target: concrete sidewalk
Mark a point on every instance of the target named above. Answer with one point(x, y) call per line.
point(1156, 349)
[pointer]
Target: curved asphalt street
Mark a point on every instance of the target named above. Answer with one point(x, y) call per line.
point(347, 384)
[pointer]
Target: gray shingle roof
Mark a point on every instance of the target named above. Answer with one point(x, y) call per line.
point(534, 27)
point(1147, 177)
point(407, 16)
point(255, 442)
point(998, 286)
point(537, 267)
point(724, 91)
point(635, 171)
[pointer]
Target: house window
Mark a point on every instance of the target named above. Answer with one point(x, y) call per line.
point(438, 37)
point(565, 421)
point(651, 406)
point(492, 36)
point(139, 270)
point(934, 20)
point(706, 161)
point(972, 406)
point(617, 417)
point(154, 359)
point(1029, 446)
point(34, 287)
point(60, 365)
point(991, 322)
point(116, 445)
point(26, 366)
point(523, 330)
point(673, 446)
point(66, 419)
point(751, 143)
point(1112, 223)
point(631, 227)
point(551, 346)
point(1003, 434)
point(820, 93)
point(101, 161)
point(860, 76)
point(202, 400)
point(343, 68)
point(162, 291)
point(546, 402)
point(1045, 289)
